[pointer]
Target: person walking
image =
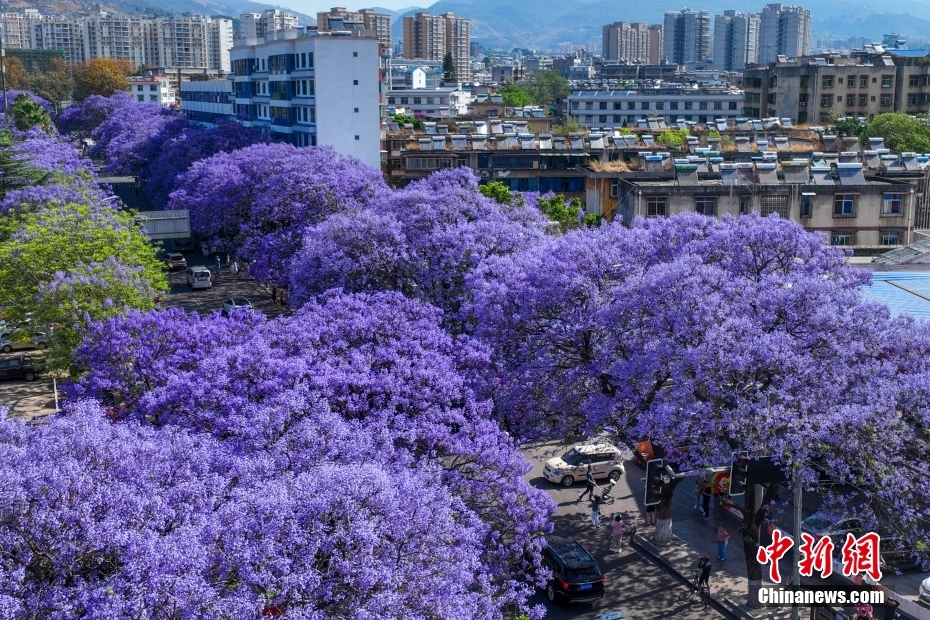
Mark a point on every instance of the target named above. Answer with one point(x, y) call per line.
point(595, 511)
point(616, 527)
point(705, 566)
point(228, 260)
point(219, 264)
point(698, 491)
point(274, 295)
point(706, 492)
point(235, 269)
point(283, 298)
point(723, 538)
point(589, 479)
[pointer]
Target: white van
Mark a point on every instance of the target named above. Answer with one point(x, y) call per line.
point(199, 277)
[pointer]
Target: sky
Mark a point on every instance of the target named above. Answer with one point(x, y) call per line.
point(311, 7)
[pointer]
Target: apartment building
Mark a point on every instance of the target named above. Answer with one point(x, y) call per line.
point(431, 37)
point(817, 89)
point(338, 18)
point(440, 102)
point(632, 42)
point(669, 102)
point(784, 31)
point(127, 37)
point(312, 89)
point(261, 25)
point(208, 101)
point(16, 28)
point(686, 36)
point(736, 40)
point(59, 33)
point(155, 89)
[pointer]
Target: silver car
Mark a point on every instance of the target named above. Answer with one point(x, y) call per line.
point(17, 341)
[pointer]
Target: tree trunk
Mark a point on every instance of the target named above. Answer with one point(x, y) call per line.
point(663, 533)
point(752, 521)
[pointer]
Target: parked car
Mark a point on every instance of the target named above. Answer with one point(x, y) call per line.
point(576, 577)
point(605, 459)
point(199, 277)
point(899, 555)
point(19, 367)
point(175, 260)
point(236, 303)
point(924, 592)
point(819, 525)
point(17, 341)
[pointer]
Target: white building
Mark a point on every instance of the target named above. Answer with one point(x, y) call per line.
point(16, 28)
point(261, 25)
point(444, 102)
point(736, 40)
point(207, 101)
point(155, 89)
point(316, 89)
point(670, 102)
point(784, 31)
point(686, 36)
point(59, 33)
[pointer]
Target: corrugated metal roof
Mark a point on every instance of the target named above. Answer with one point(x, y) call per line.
point(902, 292)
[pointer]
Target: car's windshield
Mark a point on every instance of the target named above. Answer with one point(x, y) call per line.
point(572, 457)
point(817, 522)
point(581, 575)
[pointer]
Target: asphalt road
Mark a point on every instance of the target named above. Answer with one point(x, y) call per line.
point(635, 585)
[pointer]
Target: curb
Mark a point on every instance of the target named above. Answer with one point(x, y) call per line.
point(650, 550)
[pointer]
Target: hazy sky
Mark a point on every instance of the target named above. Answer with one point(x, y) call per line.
point(310, 7)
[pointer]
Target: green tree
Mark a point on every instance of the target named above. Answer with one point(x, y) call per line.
point(27, 114)
point(406, 119)
point(55, 84)
point(101, 76)
point(497, 191)
point(15, 173)
point(546, 87)
point(448, 68)
point(673, 139)
point(67, 265)
point(515, 95)
point(567, 214)
point(900, 131)
point(848, 127)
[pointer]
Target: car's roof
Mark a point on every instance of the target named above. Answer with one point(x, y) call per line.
point(595, 447)
point(570, 552)
point(240, 301)
point(175, 254)
point(199, 269)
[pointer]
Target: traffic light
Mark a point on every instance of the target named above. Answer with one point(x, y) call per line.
point(655, 480)
point(739, 476)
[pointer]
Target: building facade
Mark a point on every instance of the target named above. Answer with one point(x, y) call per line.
point(338, 18)
point(431, 37)
point(312, 89)
point(736, 40)
point(671, 103)
point(208, 101)
point(784, 31)
point(686, 36)
point(442, 102)
point(261, 25)
point(818, 89)
point(627, 41)
point(155, 89)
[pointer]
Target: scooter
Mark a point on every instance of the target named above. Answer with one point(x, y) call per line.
point(607, 496)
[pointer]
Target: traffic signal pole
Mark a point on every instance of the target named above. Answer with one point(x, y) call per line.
point(796, 553)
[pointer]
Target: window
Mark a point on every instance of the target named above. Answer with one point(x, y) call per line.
point(141, 98)
point(588, 105)
point(689, 117)
point(802, 118)
point(827, 81)
point(589, 118)
point(826, 101)
point(354, 54)
point(354, 82)
point(863, 81)
point(602, 105)
point(890, 237)
point(850, 100)
point(153, 87)
point(844, 205)
point(718, 105)
point(153, 97)
point(404, 100)
point(774, 204)
point(745, 205)
point(356, 137)
point(771, 98)
point(391, 100)
point(885, 100)
point(873, 98)
point(913, 81)
point(886, 81)
point(417, 100)
point(574, 105)
point(614, 189)
point(732, 105)
point(913, 99)
point(356, 110)
point(673, 105)
point(862, 100)
point(618, 118)
point(705, 205)
point(850, 81)
point(689, 105)
point(602, 118)
point(430, 100)
point(702, 118)
point(802, 100)
point(843, 237)
point(804, 81)
point(660, 105)
point(702, 105)
point(891, 204)
point(630, 105)
point(617, 105)
point(644, 105)
point(310, 64)
point(655, 206)
point(806, 206)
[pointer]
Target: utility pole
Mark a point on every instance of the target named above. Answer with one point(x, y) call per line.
point(3, 69)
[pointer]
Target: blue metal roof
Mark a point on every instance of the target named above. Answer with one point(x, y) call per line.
point(914, 53)
point(902, 292)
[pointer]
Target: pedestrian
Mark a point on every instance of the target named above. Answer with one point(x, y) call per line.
point(158, 303)
point(706, 494)
point(589, 480)
point(283, 302)
point(698, 490)
point(219, 264)
point(227, 259)
point(631, 532)
point(595, 512)
point(651, 515)
point(705, 567)
point(617, 531)
point(235, 269)
point(274, 294)
point(723, 538)
point(206, 250)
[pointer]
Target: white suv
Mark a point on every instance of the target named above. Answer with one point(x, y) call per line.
point(199, 277)
point(606, 462)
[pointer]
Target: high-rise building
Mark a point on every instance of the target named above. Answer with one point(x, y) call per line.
point(785, 31)
point(259, 25)
point(736, 40)
point(656, 43)
point(339, 18)
point(60, 33)
point(686, 36)
point(431, 37)
point(625, 41)
point(126, 37)
point(16, 28)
